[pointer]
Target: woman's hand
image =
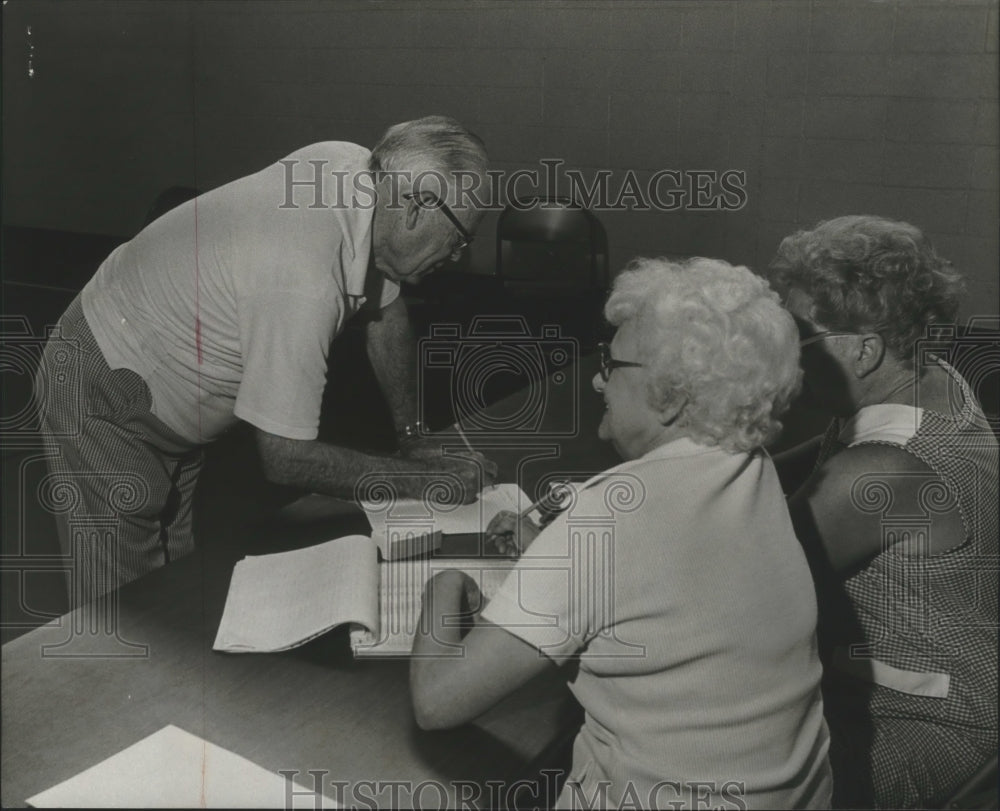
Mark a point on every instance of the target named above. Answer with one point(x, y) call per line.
point(510, 534)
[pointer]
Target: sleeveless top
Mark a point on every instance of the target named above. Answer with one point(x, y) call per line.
point(922, 629)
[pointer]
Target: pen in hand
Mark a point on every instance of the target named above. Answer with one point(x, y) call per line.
point(512, 532)
point(465, 439)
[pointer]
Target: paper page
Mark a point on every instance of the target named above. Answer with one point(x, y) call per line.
point(175, 769)
point(400, 592)
point(280, 601)
point(414, 515)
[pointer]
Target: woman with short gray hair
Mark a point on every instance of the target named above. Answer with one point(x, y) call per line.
point(671, 587)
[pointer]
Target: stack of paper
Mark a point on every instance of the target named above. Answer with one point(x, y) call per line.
point(281, 601)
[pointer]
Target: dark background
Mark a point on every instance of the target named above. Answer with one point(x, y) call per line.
point(884, 107)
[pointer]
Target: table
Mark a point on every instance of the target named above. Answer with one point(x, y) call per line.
point(68, 706)
point(312, 708)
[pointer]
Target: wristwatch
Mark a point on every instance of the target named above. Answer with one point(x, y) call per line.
point(410, 432)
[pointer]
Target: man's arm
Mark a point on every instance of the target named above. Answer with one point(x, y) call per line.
point(335, 471)
point(392, 350)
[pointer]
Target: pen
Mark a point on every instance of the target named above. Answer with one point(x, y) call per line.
point(524, 513)
point(556, 494)
point(461, 433)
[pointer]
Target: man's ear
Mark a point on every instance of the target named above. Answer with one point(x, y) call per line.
point(870, 354)
point(413, 212)
point(416, 205)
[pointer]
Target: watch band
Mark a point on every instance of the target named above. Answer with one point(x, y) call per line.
point(410, 432)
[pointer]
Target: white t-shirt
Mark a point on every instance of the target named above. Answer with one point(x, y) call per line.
point(226, 305)
point(678, 580)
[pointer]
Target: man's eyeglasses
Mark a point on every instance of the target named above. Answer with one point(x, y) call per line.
point(819, 336)
point(609, 364)
point(437, 202)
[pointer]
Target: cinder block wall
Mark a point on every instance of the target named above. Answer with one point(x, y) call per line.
point(887, 107)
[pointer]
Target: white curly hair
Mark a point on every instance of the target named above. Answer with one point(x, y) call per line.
point(717, 335)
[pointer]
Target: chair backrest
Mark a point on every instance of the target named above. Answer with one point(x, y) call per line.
point(551, 243)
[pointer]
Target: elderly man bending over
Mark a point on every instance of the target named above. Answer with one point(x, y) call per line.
point(223, 310)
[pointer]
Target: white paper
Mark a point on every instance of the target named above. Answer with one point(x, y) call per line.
point(175, 769)
point(416, 515)
point(280, 601)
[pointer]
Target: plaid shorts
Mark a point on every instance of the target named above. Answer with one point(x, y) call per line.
point(120, 482)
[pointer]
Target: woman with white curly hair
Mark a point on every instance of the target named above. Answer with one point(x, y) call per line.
point(672, 587)
point(899, 515)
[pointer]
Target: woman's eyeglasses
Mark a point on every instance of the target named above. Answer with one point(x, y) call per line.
point(819, 336)
point(609, 364)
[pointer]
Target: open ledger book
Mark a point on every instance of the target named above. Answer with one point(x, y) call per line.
point(280, 601)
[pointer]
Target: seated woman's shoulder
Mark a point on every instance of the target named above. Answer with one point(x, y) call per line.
point(848, 475)
point(864, 481)
point(873, 457)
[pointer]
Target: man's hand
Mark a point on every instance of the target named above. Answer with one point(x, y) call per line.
point(422, 447)
point(510, 534)
point(473, 471)
point(430, 448)
point(472, 468)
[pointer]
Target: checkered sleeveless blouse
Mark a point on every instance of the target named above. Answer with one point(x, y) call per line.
point(922, 634)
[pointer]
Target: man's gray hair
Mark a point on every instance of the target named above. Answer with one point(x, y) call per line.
point(434, 143)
